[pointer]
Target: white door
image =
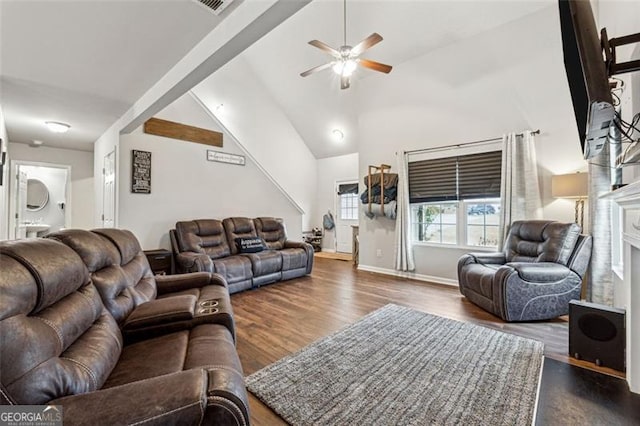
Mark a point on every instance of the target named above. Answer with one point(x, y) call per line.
point(108, 190)
point(21, 205)
point(346, 216)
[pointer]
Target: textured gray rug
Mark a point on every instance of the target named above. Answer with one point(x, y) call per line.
point(398, 366)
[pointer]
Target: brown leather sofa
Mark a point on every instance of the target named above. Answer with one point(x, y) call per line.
point(210, 245)
point(60, 345)
point(142, 304)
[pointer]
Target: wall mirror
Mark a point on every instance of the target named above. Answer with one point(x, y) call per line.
point(37, 195)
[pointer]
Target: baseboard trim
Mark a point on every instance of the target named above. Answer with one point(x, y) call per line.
point(411, 275)
point(328, 250)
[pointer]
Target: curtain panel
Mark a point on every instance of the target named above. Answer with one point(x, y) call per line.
point(520, 188)
point(403, 248)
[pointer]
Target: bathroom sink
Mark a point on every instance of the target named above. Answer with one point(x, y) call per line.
point(33, 229)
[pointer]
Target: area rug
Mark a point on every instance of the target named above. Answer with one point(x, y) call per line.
point(398, 366)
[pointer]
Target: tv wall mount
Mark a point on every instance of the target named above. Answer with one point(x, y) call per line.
point(609, 47)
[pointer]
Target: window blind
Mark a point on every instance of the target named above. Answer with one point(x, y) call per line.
point(455, 178)
point(347, 188)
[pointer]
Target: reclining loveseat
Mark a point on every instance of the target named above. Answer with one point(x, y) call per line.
point(213, 245)
point(62, 326)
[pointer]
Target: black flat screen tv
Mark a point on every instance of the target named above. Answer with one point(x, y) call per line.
point(586, 74)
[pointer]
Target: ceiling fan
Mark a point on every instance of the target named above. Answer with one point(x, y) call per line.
point(346, 59)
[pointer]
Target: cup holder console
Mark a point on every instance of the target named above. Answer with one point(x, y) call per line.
point(208, 311)
point(210, 303)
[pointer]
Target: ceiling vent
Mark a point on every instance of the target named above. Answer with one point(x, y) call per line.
point(217, 6)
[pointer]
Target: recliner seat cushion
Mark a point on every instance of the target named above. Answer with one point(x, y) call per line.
point(265, 262)
point(204, 346)
point(234, 268)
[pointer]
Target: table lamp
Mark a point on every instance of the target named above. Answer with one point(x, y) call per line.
point(573, 186)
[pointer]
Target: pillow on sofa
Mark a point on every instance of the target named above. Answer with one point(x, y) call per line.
point(250, 245)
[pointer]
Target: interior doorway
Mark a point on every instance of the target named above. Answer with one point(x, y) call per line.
point(347, 202)
point(108, 190)
point(40, 200)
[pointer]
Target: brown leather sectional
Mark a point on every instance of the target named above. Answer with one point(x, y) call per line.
point(210, 245)
point(84, 324)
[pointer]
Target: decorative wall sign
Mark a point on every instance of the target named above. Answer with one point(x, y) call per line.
point(225, 157)
point(140, 172)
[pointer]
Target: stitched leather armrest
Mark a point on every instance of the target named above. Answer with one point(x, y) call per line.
point(180, 282)
point(161, 311)
point(489, 258)
point(177, 398)
point(297, 244)
point(307, 247)
point(189, 261)
point(228, 397)
point(540, 272)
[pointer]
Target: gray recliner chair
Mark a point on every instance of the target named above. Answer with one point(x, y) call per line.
point(536, 275)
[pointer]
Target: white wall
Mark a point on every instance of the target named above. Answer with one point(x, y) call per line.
point(508, 79)
point(330, 171)
point(185, 186)
point(82, 189)
point(4, 189)
point(260, 125)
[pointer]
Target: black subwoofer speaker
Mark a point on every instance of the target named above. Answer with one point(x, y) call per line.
point(597, 334)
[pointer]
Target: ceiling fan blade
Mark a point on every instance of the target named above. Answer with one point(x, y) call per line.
point(316, 69)
point(344, 82)
point(376, 66)
point(365, 44)
point(325, 47)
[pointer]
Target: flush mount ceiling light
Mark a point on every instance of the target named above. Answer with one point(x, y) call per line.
point(337, 135)
point(57, 127)
point(346, 59)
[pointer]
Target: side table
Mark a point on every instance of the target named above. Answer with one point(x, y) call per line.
point(161, 261)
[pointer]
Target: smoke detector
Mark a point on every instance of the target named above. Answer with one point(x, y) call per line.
point(217, 6)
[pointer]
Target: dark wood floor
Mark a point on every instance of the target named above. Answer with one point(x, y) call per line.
point(279, 319)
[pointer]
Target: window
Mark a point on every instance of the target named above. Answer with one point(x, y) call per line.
point(348, 195)
point(434, 222)
point(349, 206)
point(482, 222)
point(455, 200)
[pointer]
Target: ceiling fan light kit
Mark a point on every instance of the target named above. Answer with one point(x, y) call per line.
point(337, 135)
point(347, 58)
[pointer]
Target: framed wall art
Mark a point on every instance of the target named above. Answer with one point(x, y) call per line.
point(140, 172)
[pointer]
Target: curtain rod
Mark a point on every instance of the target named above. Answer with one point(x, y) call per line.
point(445, 147)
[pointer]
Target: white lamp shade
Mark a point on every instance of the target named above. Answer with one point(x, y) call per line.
point(572, 185)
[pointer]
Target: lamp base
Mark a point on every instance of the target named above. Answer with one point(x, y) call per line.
point(579, 214)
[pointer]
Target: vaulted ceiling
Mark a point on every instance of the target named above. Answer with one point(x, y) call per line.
point(315, 104)
point(86, 62)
